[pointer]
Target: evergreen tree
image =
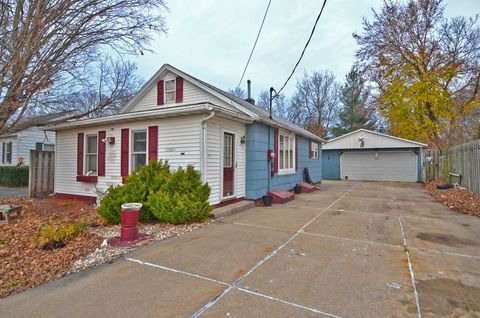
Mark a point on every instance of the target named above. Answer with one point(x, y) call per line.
point(355, 113)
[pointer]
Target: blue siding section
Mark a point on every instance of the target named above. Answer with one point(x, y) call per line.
point(331, 161)
point(258, 169)
point(331, 164)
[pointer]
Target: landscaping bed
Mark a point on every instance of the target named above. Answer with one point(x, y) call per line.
point(461, 201)
point(23, 262)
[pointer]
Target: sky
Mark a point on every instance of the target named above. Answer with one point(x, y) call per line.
point(212, 39)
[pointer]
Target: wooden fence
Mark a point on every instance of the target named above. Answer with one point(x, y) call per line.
point(41, 173)
point(462, 159)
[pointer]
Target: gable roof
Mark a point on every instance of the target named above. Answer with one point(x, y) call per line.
point(342, 142)
point(243, 107)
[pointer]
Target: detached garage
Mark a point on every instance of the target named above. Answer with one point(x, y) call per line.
point(370, 155)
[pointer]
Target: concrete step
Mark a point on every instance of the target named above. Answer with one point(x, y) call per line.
point(231, 209)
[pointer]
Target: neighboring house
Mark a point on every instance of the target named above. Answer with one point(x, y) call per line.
point(370, 155)
point(179, 118)
point(19, 143)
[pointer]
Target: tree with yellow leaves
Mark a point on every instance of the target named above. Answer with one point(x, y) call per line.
point(426, 69)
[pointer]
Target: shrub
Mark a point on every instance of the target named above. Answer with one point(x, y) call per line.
point(183, 198)
point(13, 176)
point(59, 232)
point(137, 188)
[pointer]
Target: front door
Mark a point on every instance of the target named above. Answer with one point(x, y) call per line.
point(228, 164)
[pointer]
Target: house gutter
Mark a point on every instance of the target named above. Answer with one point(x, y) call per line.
point(203, 147)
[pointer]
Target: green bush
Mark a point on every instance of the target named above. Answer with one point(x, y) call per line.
point(183, 198)
point(175, 198)
point(13, 176)
point(56, 232)
point(137, 188)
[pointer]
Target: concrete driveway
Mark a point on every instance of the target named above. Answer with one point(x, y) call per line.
point(353, 249)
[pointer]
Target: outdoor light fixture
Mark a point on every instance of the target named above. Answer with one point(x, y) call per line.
point(243, 140)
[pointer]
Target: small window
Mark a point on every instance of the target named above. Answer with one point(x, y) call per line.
point(7, 152)
point(91, 155)
point(48, 147)
point(139, 149)
point(227, 151)
point(286, 153)
point(38, 146)
point(315, 152)
point(170, 91)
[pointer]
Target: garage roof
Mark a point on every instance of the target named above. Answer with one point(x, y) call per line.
point(367, 139)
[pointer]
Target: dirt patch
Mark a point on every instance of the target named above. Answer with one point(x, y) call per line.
point(23, 263)
point(461, 201)
point(445, 239)
point(448, 298)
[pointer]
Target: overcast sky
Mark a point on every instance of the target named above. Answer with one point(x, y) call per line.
point(211, 39)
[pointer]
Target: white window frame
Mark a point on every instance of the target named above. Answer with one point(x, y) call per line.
point(6, 153)
point(87, 154)
point(169, 91)
point(133, 153)
point(286, 162)
point(315, 150)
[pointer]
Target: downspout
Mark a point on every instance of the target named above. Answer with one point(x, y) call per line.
point(203, 148)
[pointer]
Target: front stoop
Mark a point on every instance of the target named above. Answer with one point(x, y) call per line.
point(231, 209)
point(307, 187)
point(281, 196)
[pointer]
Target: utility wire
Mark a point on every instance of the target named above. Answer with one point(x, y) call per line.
point(255, 44)
point(304, 49)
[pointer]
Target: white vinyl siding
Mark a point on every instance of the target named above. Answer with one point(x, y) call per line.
point(215, 129)
point(379, 166)
point(178, 142)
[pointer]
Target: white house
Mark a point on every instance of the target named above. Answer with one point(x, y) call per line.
point(174, 117)
point(19, 144)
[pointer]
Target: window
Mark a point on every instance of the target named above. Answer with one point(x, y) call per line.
point(48, 147)
point(91, 155)
point(169, 91)
point(314, 150)
point(139, 149)
point(286, 155)
point(227, 151)
point(38, 146)
point(7, 152)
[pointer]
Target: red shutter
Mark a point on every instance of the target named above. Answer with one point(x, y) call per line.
point(153, 143)
point(179, 90)
point(275, 148)
point(80, 140)
point(102, 143)
point(318, 151)
point(296, 153)
point(160, 92)
point(124, 153)
point(310, 150)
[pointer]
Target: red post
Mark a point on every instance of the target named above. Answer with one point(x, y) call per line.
point(129, 218)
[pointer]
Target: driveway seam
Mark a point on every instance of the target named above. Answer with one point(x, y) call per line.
point(244, 290)
point(213, 301)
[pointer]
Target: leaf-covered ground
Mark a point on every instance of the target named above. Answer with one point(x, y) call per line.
point(461, 201)
point(23, 264)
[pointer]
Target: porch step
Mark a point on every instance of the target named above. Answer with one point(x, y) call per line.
point(307, 187)
point(231, 209)
point(281, 196)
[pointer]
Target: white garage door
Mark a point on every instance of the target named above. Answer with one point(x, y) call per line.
point(379, 166)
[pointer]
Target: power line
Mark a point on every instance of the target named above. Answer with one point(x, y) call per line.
point(304, 49)
point(255, 44)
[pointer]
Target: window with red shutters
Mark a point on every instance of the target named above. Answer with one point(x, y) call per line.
point(160, 93)
point(80, 145)
point(125, 135)
point(179, 90)
point(152, 143)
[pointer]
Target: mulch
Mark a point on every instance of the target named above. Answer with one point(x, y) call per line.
point(23, 263)
point(461, 201)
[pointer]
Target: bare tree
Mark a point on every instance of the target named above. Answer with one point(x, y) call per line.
point(43, 42)
point(237, 91)
point(315, 103)
point(108, 85)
